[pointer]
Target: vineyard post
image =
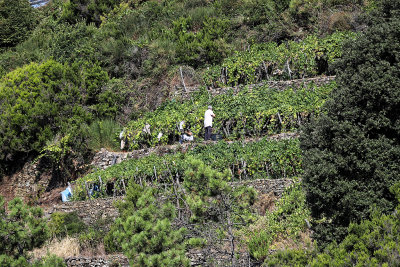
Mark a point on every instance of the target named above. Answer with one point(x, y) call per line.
point(299, 118)
point(279, 117)
point(140, 177)
point(267, 169)
point(101, 184)
point(155, 173)
point(231, 238)
point(183, 80)
point(226, 75)
point(87, 190)
point(123, 184)
point(288, 69)
point(266, 70)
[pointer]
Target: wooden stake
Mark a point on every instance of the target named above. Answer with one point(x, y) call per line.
point(123, 184)
point(87, 190)
point(183, 81)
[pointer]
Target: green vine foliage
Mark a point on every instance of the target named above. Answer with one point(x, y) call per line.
point(250, 113)
point(258, 160)
point(270, 61)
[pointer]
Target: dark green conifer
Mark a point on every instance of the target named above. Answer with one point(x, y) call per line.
point(352, 151)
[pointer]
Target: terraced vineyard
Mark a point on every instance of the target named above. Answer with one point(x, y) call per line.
point(257, 160)
point(259, 112)
point(262, 112)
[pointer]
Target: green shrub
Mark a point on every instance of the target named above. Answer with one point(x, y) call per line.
point(291, 257)
point(205, 46)
point(372, 242)
point(43, 100)
point(36, 104)
point(352, 151)
point(88, 10)
point(17, 20)
point(63, 224)
point(287, 221)
point(49, 261)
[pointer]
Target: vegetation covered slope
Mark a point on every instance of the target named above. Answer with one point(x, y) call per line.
point(101, 64)
point(124, 57)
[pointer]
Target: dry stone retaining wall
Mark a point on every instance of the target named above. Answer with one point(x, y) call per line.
point(115, 260)
point(27, 183)
point(91, 210)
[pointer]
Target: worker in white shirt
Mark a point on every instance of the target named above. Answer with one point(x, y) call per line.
point(208, 118)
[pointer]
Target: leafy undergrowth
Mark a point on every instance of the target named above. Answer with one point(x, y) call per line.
point(283, 227)
point(265, 159)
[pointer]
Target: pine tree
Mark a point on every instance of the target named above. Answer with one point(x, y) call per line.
point(145, 230)
point(21, 229)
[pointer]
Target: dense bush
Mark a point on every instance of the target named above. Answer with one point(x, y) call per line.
point(17, 20)
point(205, 46)
point(352, 151)
point(47, 104)
point(372, 242)
point(90, 11)
point(63, 224)
point(287, 221)
point(36, 103)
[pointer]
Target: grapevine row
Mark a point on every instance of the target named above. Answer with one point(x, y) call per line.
point(291, 60)
point(250, 113)
point(264, 159)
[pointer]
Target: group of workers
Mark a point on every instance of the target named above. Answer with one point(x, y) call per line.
point(186, 134)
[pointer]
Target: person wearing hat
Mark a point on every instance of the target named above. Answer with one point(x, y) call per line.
point(208, 118)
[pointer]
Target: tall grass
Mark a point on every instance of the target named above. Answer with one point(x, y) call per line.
point(67, 247)
point(103, 134)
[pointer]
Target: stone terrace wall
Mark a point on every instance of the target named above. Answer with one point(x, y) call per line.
point(280, 85)
point(26, 183)
point(265, 186)
point(104, 158)
point(115, 260)
point(89, 211)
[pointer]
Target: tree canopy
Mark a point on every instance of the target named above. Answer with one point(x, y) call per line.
point(17, 20)
point(352, 151)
